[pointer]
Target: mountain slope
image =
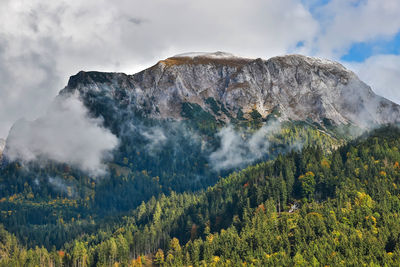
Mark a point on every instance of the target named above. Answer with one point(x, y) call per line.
point(300, 209)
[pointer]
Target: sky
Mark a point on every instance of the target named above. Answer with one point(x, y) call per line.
point(44, 42)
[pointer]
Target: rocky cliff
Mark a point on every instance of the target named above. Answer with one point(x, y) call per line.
point(293, 87)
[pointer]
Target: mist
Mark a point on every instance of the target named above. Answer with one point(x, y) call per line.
point(238, 150)
point(60, 186)
point(156, 139)
point(65, 134)
point(2, 145)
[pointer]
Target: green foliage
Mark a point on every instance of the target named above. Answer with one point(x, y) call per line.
point(257, 216)
point(255, 115)
point(213, 105)
point(40, 214)
point(256, 118)
point(199, 118)
point(312, 206)
point(239, 115)
point(307, 184)
point(159, 257)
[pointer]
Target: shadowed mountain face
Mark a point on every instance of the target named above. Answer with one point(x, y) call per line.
point(293, 87)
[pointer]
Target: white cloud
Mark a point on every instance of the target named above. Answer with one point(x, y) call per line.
point(238, 150)
point(60, 185)
point(155, 137)
point(344, 22)
point(382, 73)
point(66, 133)
point(42, 43)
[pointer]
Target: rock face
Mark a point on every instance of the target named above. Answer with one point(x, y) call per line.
point(295, 87)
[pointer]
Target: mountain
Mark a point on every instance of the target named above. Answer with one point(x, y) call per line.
point(176, 129)
point(294, 87)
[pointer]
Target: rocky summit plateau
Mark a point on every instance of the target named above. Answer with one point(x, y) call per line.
point(292, 87)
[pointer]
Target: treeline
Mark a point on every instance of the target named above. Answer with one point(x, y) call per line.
point(304, 208)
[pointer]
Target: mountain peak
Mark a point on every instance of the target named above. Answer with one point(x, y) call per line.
point(296, 59)
point(310, 62)
point(294, 86)
point(217, 54)
point(204, 58)
point(290, 59)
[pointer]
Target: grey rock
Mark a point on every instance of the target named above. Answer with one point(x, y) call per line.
point(298, 87)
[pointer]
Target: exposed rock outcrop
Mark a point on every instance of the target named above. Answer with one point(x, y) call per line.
point(295, 87)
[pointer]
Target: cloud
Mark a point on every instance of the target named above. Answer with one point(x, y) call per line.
point(136, 21)
point(42, 43)
point(345, 22)
point(382, 73)
point(238, 150)
point(2, 145)
point(60, 186)
point(66, 134)
point(155, 137)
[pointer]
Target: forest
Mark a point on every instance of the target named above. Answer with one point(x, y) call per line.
point(49, 204)
point(303, 208)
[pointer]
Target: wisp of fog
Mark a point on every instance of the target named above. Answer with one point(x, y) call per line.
point(65, 134)
point(236, 150)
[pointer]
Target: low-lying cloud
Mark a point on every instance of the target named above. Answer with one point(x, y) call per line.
point(382, 73)
point(156, 138)
point(65, 134)
point(60, 186)
point(237, 150)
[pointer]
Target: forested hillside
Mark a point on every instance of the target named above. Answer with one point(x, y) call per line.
point(303, 208)
point(50, 204)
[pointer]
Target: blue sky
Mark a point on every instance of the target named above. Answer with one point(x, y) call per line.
point(313, 5)
point(380, 44)
point(364, 35)
point(361, 51)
